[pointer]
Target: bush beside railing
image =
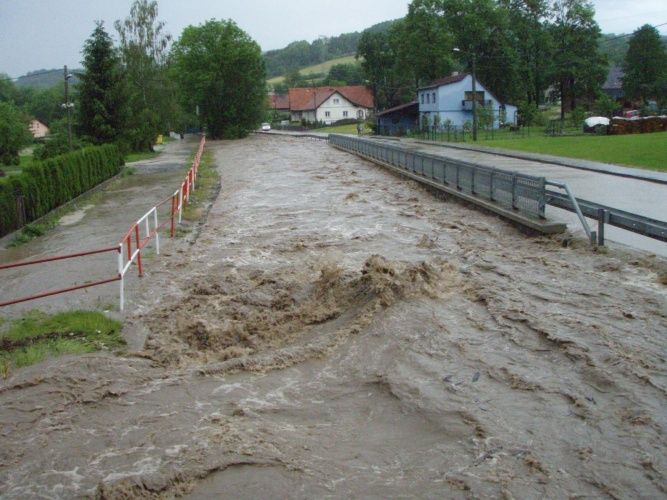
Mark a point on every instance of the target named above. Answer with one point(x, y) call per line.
point(48, 184)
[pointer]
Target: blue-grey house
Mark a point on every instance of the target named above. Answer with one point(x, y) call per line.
point(448, 101)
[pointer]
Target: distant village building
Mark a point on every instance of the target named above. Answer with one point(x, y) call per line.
point(330, 104)
point(451, 100)
point(279, 102)
point(613, 87)
point(399, 120)
point(38, 129)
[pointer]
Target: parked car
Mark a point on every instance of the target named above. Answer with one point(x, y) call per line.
point(266, 126)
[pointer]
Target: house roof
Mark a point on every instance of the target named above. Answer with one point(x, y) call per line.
point(305, 98)
point(445, 81)
point(279, 101)
point(402, 107)
point(614, 79)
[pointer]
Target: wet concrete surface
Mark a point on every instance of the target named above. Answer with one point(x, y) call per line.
point(336, 331)
point(99, 223)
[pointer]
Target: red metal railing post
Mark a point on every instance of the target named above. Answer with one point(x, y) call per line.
point(138, 242)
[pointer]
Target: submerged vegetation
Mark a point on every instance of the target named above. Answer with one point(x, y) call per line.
point(39, 336)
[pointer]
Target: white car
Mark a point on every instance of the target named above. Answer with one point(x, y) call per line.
point(266, 126)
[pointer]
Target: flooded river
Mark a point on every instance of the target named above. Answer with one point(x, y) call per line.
point(337, 331)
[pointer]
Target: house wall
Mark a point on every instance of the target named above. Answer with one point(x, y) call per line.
point(448, 104)
point(338, 108)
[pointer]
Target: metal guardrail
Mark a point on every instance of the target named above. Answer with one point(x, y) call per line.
point(639, 224)
point(521, 192)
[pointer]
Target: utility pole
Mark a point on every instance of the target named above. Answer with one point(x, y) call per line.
point(474, 99)
point(68, 107)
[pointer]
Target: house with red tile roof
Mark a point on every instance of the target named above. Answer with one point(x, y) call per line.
point(330, 104)
point(279, 102)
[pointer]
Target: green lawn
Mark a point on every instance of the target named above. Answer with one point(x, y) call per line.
point(144, 155)
point(350, 128)
point(38, 336)
point(647, 151)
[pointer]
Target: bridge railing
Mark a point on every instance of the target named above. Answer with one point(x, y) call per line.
point(520, 192)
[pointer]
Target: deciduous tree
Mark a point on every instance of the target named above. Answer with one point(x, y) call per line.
point(144, 46)
point(645, 64)
point(14, 133)
point(220, 68)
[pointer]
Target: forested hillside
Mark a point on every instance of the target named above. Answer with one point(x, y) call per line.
point(44, 78)
point(302, 53)
point(616, 46)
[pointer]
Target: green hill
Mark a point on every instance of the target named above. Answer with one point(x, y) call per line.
point(302, 54)
point(317, 69)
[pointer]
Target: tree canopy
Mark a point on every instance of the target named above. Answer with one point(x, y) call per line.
point(102, 110)
point(220, 70)
point(13, 133)
point(645, 65)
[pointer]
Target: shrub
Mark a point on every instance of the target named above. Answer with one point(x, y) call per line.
point(45, 185)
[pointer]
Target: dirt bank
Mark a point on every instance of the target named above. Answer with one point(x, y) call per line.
point(337, 331)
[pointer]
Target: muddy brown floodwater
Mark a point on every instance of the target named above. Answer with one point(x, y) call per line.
point(336, 331)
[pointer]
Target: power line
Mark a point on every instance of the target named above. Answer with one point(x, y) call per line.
point(629, 34)
point(30, 75)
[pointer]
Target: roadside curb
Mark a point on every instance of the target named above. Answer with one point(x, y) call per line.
point(592, 166)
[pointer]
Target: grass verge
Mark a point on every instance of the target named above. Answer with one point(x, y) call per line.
point(39, 336)
point(350, 129)
point(143, 155)
point(648, 151)
point(205, 186)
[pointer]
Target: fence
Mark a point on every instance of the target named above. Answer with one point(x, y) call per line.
point(520, 192)
point(128, 249)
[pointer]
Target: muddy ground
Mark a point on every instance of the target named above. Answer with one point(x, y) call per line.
point(336, 331)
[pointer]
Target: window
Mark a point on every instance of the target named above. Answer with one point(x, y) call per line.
point(433, 97)
point(360, 113)
point(336, 100)
point(344, 114)
point(327, 114)
point(428, 98)
point(422, 97)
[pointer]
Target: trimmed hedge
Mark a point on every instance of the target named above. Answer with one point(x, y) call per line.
point(47, 184)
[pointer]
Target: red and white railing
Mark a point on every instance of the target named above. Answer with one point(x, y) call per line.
point(141, 233)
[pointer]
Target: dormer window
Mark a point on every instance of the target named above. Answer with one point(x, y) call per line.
point(336, 100)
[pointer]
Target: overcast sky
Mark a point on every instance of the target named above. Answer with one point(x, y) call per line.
point(37, 34)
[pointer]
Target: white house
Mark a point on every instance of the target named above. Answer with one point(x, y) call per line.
point(330, 104)
point(451, 98)
point(38, 129)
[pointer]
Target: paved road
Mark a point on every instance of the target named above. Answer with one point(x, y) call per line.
point(95, 222)
point(633, 195)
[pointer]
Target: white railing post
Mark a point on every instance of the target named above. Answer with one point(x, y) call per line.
point(122, 278)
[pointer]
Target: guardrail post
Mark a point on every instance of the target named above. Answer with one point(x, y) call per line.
point(458, 175)
point(514, 196)
point(603, 216)
point(472, 181)
point(492, 194)
point(180, 204)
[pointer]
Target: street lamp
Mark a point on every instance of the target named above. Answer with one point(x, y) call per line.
point(474, 93)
